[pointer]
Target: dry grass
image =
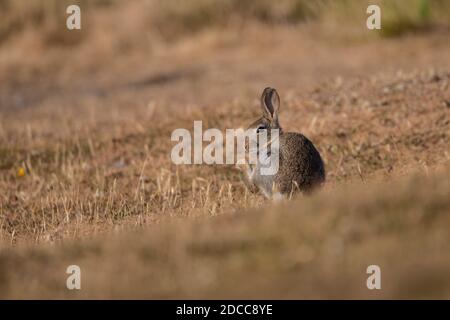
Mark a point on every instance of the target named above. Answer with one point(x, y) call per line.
point(173, 19)
point(103, 169)
point(315, 247)
point(85, 150)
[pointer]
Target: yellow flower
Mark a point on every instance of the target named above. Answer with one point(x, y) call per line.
point(21, 172)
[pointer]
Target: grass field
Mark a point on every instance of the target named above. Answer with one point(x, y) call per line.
point(85, 170)
point(315, 247)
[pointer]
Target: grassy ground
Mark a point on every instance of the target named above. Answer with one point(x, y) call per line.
point(86, 176)
point(315, 247)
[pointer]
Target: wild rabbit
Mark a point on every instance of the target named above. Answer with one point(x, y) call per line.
point(300, 167)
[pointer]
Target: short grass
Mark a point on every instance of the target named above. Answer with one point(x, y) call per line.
point(317, 247)
point(96, 169)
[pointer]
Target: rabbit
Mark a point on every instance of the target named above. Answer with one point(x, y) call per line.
point(300, 166)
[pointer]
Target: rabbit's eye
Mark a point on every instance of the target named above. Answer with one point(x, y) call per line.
point(260, 128)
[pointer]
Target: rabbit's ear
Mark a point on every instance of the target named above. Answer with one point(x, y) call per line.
point(270, 103)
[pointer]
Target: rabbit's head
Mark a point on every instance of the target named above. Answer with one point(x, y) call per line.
point(270, 105)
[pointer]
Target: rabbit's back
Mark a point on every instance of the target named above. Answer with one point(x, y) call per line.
point(300, 164)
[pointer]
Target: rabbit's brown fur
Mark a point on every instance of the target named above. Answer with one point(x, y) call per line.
point(300, 166)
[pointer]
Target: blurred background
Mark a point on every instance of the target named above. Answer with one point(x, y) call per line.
point(234, 45)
